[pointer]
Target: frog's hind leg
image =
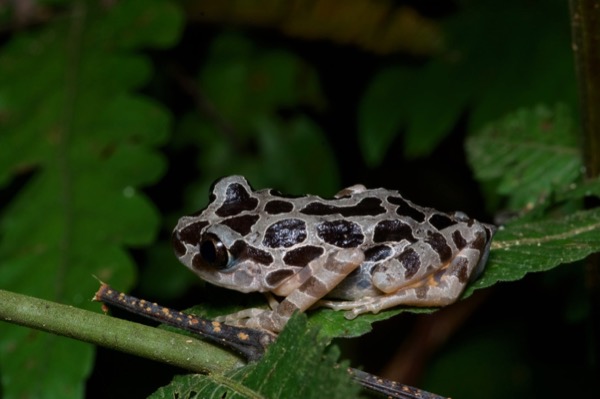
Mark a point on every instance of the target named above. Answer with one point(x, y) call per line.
point(440, 288)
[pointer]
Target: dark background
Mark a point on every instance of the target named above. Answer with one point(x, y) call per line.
point(479, 60)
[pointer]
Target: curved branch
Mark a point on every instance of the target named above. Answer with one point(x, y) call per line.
point(136, 339)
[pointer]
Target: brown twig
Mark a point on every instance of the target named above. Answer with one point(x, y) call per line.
point(248, 342)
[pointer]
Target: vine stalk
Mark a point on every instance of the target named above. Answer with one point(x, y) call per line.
point(133, 338)
point(585, 25)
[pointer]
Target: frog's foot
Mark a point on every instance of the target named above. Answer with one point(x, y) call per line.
point(355, 308)
point(237, 317)
point(344, 305)
point(260, 319)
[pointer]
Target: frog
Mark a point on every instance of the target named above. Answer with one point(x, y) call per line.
point(362, 251)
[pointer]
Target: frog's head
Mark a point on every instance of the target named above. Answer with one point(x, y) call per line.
point(216, 242)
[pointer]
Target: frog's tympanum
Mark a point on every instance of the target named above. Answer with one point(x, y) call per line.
point(365, 250)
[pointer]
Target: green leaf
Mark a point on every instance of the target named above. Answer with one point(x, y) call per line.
point(297, 365)
point(434, 114)
point(155, 23)
point(395, 101)
point(333, 324)
point(501, 71)
point(383, 111)
point(581, 190)
point(485, 71)
point(531, 152)
point(242, 81)
point(88, 144)
point(284, 147)
point(526, 247)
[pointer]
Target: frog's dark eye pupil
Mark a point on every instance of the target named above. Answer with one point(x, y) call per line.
point(213, 251)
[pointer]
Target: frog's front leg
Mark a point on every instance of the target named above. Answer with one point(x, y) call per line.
point(328, 272)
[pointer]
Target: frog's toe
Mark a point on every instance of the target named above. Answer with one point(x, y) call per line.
point(349, 315)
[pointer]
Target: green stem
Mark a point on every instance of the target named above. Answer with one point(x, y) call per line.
point(137, 339)
point(585, 24)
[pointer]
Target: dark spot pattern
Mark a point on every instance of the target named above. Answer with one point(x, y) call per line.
point(275, 278)
point(438, 243)
point(411, 262)
point(366, 207)
point(441, 221)
point(286, 308)
point(242, 251)
point(241, 224)
point(237, 200)
point(259, 256)
point(377, 253)
point(459, 240)
point(285, 233)
point(479, 242)
point(178, 246)
point(421, 292)
point(393, 230)
point(341, 233)
point(404, 209)
point(460, 268)
point(313, 287)
point(190, 234)
point(275, 207)
point(302, 256)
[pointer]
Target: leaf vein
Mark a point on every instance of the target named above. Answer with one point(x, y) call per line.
point(520, 242)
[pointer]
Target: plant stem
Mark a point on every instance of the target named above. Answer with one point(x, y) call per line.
point(137, 339)
point(585, 24)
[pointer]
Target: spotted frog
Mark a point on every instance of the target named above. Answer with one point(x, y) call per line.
point(362, 251)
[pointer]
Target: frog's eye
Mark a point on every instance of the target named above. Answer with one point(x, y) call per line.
point(214, 252)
